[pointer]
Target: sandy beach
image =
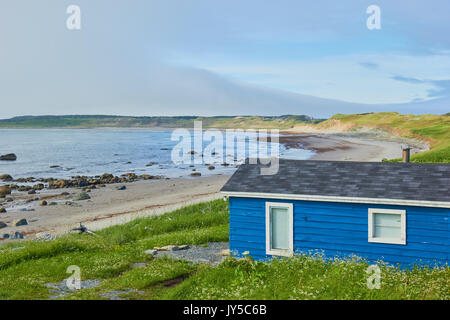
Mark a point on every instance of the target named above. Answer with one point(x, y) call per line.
point(343, 146)
point(110, 206)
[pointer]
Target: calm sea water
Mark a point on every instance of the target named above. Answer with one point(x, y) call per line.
point(94, 152)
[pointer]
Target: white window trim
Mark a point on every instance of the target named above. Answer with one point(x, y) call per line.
point(287, 252)
point(402, 214)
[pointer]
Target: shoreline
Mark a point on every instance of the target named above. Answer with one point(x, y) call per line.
point(351, 146)
point(108, 206)
point(143, 198)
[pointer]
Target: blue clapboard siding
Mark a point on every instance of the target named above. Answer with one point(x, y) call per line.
point(341, 229)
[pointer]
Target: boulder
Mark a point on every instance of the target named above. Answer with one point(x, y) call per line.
point(122, 188)
point(196, 174)
point(38, 186)
point(82, 196)
point(9, 157)
point(43, 203)
point(44, 236)
point(24, 188)
point(20, 222)
point(57, 184)
point(3, 225)
point(2, 210)
point(17, 235)
point(32, 192)
point(4, 190)
point(6, 177)
point(106, 176)
point(211, 167)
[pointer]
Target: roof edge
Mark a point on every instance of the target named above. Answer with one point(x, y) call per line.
point(283, 196)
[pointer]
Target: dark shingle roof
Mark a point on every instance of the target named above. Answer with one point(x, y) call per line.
point(381, 180)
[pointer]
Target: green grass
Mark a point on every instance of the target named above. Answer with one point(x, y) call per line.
point(109, 256)
point(433, 129)
point(307, 277)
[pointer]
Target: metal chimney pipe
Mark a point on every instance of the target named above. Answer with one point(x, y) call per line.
point(406, 154)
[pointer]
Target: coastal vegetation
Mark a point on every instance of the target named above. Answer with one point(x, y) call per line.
point(28, 268)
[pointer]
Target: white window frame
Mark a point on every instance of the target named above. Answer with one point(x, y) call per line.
point(402, 214)
point(277, 252)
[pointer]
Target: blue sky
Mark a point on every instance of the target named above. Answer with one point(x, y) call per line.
point(147, 57)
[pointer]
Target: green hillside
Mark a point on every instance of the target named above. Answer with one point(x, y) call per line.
point(99, 121)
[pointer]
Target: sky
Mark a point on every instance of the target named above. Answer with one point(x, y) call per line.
point(204, 57)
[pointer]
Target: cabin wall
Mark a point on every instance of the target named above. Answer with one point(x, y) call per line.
point(341, 229)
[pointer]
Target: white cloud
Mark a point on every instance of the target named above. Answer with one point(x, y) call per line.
point(347, 77)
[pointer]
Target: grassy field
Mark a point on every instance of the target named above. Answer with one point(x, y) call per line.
point(26, 267)
point(433, 129)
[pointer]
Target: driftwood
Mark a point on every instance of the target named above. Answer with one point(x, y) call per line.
point(83, 229)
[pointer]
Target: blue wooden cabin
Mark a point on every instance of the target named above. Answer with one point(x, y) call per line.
point(395, 212)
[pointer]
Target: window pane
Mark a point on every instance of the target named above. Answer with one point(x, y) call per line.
point(280, 228)
point(387, 225)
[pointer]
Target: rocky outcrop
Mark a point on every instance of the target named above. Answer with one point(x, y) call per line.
point(83, 181)
point(8, 157)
